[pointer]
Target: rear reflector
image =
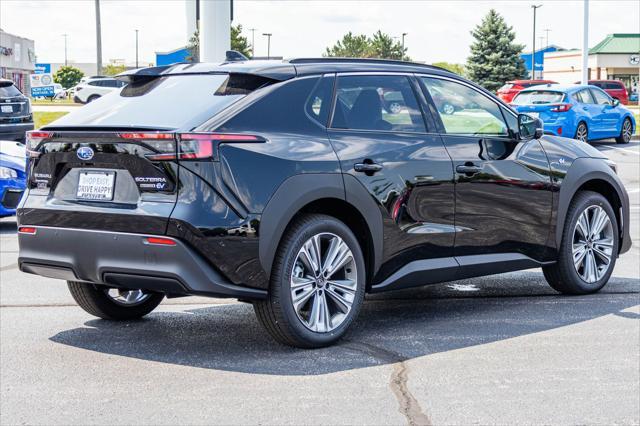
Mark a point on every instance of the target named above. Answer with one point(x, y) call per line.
point(160, 241)
point(27, 230)
point(561, 108)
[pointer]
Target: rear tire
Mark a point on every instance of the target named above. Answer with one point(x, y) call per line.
point(582, 132)
point(309, 306)
point(625, 132)
point(581, 267)
point(96, 301)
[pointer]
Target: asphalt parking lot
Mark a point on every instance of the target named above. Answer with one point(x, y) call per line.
point(499, 349)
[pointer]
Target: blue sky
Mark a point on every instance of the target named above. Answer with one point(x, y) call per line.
point(437, 30)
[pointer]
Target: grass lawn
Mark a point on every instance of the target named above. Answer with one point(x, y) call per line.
point(54, 102)
point(43, 118)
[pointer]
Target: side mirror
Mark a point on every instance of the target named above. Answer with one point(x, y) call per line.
point(615, 102)
point(529, 127)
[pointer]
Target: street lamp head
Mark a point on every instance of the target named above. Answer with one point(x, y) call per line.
point(404, 34)
point(536, 6)
point(267, 34)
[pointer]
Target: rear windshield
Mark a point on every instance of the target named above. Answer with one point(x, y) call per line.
point(8, 90)
point(170, 102)
point(536, 97)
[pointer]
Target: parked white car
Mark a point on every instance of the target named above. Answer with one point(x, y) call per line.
point(92, 89)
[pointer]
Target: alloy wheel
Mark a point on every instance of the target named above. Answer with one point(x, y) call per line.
point(626, 130)
point(582, 134)
point(126, 297)
point(593, 241)
point(323, 282)
point(395, 107)
point(448, 109)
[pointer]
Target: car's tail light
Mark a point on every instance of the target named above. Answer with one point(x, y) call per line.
point(162, 143)
point(27, 230)
point(561, 108)
point(203, 146)
point(159, 241)
point(34, 137)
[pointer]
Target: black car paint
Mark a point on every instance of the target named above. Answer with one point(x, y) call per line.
point(234, 211)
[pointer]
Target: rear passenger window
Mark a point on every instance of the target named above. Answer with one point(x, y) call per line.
point(600, 97)
point(584, 97)
point(465, 111)
point(383, 103)
point(319, 103)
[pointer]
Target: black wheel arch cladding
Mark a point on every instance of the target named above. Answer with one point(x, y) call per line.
point(581, 173)
point(300, 190)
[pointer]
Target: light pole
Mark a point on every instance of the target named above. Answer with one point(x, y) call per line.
point(268, 35)
point(65, 49)
point(253, 41)
point(403, 36)
point(533, 51)
point(585, 43)
point(98, 39)
point(547, 30)
point(136, 48)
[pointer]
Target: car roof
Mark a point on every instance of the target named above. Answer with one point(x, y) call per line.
point(558, 87)
point(284, 69)
point(6, 80)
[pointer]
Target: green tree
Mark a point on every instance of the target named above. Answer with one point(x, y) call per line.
point(351, 46)
point(454, 68)
point(113, 69)
point(381, 46)
point(238, 42)
point(495, 58)
point(68, 76)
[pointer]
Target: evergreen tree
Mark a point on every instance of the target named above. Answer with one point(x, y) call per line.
point(495, 58)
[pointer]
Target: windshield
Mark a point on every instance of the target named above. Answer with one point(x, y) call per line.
point(171, 102)
point(538, 97)
point(8, 90)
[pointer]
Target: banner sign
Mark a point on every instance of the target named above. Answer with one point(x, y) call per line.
point(43, 69)
point(42, 85)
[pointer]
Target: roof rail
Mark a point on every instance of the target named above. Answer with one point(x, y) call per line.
point(363, 60)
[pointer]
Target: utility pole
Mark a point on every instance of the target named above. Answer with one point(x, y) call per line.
point(253, 41)
point(136, 48)
point(403, 36)
point(98, 39)
point(65, 49)
point(585, 43)
point(533, 50)
point(268, 35)
point(547, 30)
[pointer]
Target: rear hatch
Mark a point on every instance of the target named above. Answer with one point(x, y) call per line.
point(106, 180)
point(14, 106)
point(543, 104)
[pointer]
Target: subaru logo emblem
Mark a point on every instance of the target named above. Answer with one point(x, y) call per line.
point(85, 153)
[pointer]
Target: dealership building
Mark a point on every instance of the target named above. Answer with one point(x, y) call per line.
point(17, 59)
point(617, 57)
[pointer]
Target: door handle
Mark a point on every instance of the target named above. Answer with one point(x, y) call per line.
point(468, 169)
point(368, 168)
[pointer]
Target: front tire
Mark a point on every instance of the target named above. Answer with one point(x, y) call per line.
point(113, 304)
point(317, 284)
point(625, 132)
point(589, 247)
point(582, 132)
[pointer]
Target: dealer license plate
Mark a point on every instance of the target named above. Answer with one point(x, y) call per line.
point(96, 186)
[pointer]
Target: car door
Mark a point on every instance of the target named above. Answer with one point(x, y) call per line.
point(502, 185)
point(587, 110)
point(406, 169)
point(609, 116)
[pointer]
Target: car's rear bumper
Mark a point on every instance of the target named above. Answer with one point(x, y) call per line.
point(124, 260)
point(14, 131)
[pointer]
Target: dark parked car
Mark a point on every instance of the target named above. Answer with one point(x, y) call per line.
point(290, 186)
point(15, 112)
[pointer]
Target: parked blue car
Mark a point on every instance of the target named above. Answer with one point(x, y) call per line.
point(12, 176)
point(577, 111)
